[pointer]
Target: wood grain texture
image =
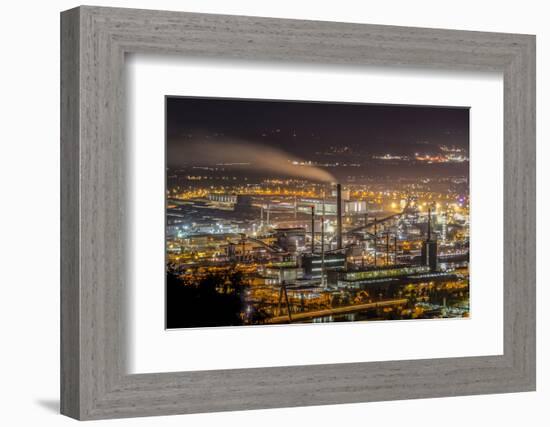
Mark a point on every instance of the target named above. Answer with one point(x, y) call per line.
point(70, 297)
point(94, 240)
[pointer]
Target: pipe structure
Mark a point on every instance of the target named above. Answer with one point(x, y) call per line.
point(339, 216)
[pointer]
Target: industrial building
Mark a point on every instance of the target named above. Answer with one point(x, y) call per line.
point(369, 275)
point(291, 239)
point(313, 264)
point(429, 247)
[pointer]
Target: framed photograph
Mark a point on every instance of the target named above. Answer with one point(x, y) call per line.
point(305, 212)
point(262, 213)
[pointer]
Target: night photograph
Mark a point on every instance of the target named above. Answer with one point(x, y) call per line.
point(282, 212)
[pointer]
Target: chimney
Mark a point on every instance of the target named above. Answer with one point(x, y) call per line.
point(313, 229)
point(395, 249)
point(339, 216)
point(429, 224)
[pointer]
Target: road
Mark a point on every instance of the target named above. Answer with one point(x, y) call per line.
point(296, 317)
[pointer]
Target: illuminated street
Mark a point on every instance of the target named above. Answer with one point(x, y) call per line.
point(257, 235)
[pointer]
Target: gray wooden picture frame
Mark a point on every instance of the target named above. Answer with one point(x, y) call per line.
point(94, 382)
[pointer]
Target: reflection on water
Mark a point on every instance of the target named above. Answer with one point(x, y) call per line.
point(426, 300)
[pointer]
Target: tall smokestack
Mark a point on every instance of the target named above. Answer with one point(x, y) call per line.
point(387, 248)
point(313, 229)
point(429, 224)
point(323, 242)
point(261, 216)
point(395, 249)
point(375, 238)
point(339, 216)
point(429, 247)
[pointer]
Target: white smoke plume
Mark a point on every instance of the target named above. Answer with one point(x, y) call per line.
point(259, 157)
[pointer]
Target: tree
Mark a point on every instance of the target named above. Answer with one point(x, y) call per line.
point(200, 304)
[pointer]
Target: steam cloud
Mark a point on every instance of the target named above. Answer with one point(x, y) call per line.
point(261, 158)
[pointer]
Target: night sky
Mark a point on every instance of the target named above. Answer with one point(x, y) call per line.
point(305, 128)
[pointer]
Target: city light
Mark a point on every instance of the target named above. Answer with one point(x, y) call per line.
point(291, 225)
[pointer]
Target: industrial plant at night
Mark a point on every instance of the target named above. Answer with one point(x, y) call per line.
point(293, 212)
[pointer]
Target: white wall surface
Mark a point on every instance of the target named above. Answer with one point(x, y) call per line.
point(29, 212)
